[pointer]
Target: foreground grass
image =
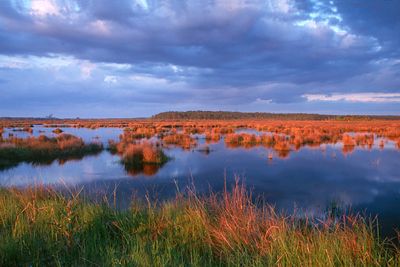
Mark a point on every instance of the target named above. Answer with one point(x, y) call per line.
point(39, 227)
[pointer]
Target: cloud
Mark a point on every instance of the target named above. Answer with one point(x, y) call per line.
point(44, 7)
point(110, 79)
point(86, 69)
point(356, 97)
point(219, 53)
point(262, 101)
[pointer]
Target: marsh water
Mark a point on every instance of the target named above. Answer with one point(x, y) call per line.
point(309, 180)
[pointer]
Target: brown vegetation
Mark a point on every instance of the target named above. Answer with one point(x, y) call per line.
point(297, 133)
point(139, 157)
point(44, 150)
point(57, 131)
point(142, 153)
point(348, 141)
point(182, 140)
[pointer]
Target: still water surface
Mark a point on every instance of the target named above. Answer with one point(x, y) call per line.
point(308, 180)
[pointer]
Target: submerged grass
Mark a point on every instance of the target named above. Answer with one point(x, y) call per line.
point(40, 227)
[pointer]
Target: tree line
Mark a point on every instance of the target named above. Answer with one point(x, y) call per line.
point(232, 115)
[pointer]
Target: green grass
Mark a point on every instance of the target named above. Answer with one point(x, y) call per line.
point(38, 227)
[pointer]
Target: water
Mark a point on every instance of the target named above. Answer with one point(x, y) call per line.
point(308, 180)
point(88, 135)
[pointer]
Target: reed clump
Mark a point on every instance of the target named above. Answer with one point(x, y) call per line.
point(139, 157)
point(181, 140)
point(40, 227)
point(27, 129)
point(348, 141)
point(143, 154)
point(57, 131)
point(44, 150)
point(212, 136)
point(349, 144)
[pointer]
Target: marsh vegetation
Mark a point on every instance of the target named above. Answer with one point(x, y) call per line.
point(44, 150)
point(41, 227)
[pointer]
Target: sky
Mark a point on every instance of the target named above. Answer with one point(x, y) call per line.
point(135, 58)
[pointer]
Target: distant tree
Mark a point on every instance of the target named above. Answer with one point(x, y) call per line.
point(230, 115)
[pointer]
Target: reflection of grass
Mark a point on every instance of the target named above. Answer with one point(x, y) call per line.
point(353, 132)
point(205, 150)
point(183, 140)
point(44, 150)
point(138, 158)
point(42, 228)
point(143, 158)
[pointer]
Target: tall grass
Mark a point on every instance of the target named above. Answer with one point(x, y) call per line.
point(39, 227)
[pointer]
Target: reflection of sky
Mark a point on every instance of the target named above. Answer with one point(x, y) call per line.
point(309, 176)
point(72, 172)
point(309, 179)
point(88, 135)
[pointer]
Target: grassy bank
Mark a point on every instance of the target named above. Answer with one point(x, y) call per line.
point(44, 150)
point(39, 227)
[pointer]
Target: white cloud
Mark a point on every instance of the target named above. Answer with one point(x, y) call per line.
point(44, 7)
point(355, 97)
point(12, 63)
point(175, 68)
point(148, 79)
point(53, 62)
point(116, 66)
point(262, 101)
point(143, 4)
point(86, 69)
point(110, 79)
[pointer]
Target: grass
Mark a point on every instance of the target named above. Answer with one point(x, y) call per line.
point(39, 227)
point(137, 158)
point(143, 158)
point(299, 133)
point(182, 140)
point(44, 150)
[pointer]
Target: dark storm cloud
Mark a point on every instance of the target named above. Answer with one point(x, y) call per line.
point(380, 19)
point(221, 52)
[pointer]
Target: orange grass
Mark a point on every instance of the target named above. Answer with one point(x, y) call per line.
point(298, 133)
point(182, 140)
